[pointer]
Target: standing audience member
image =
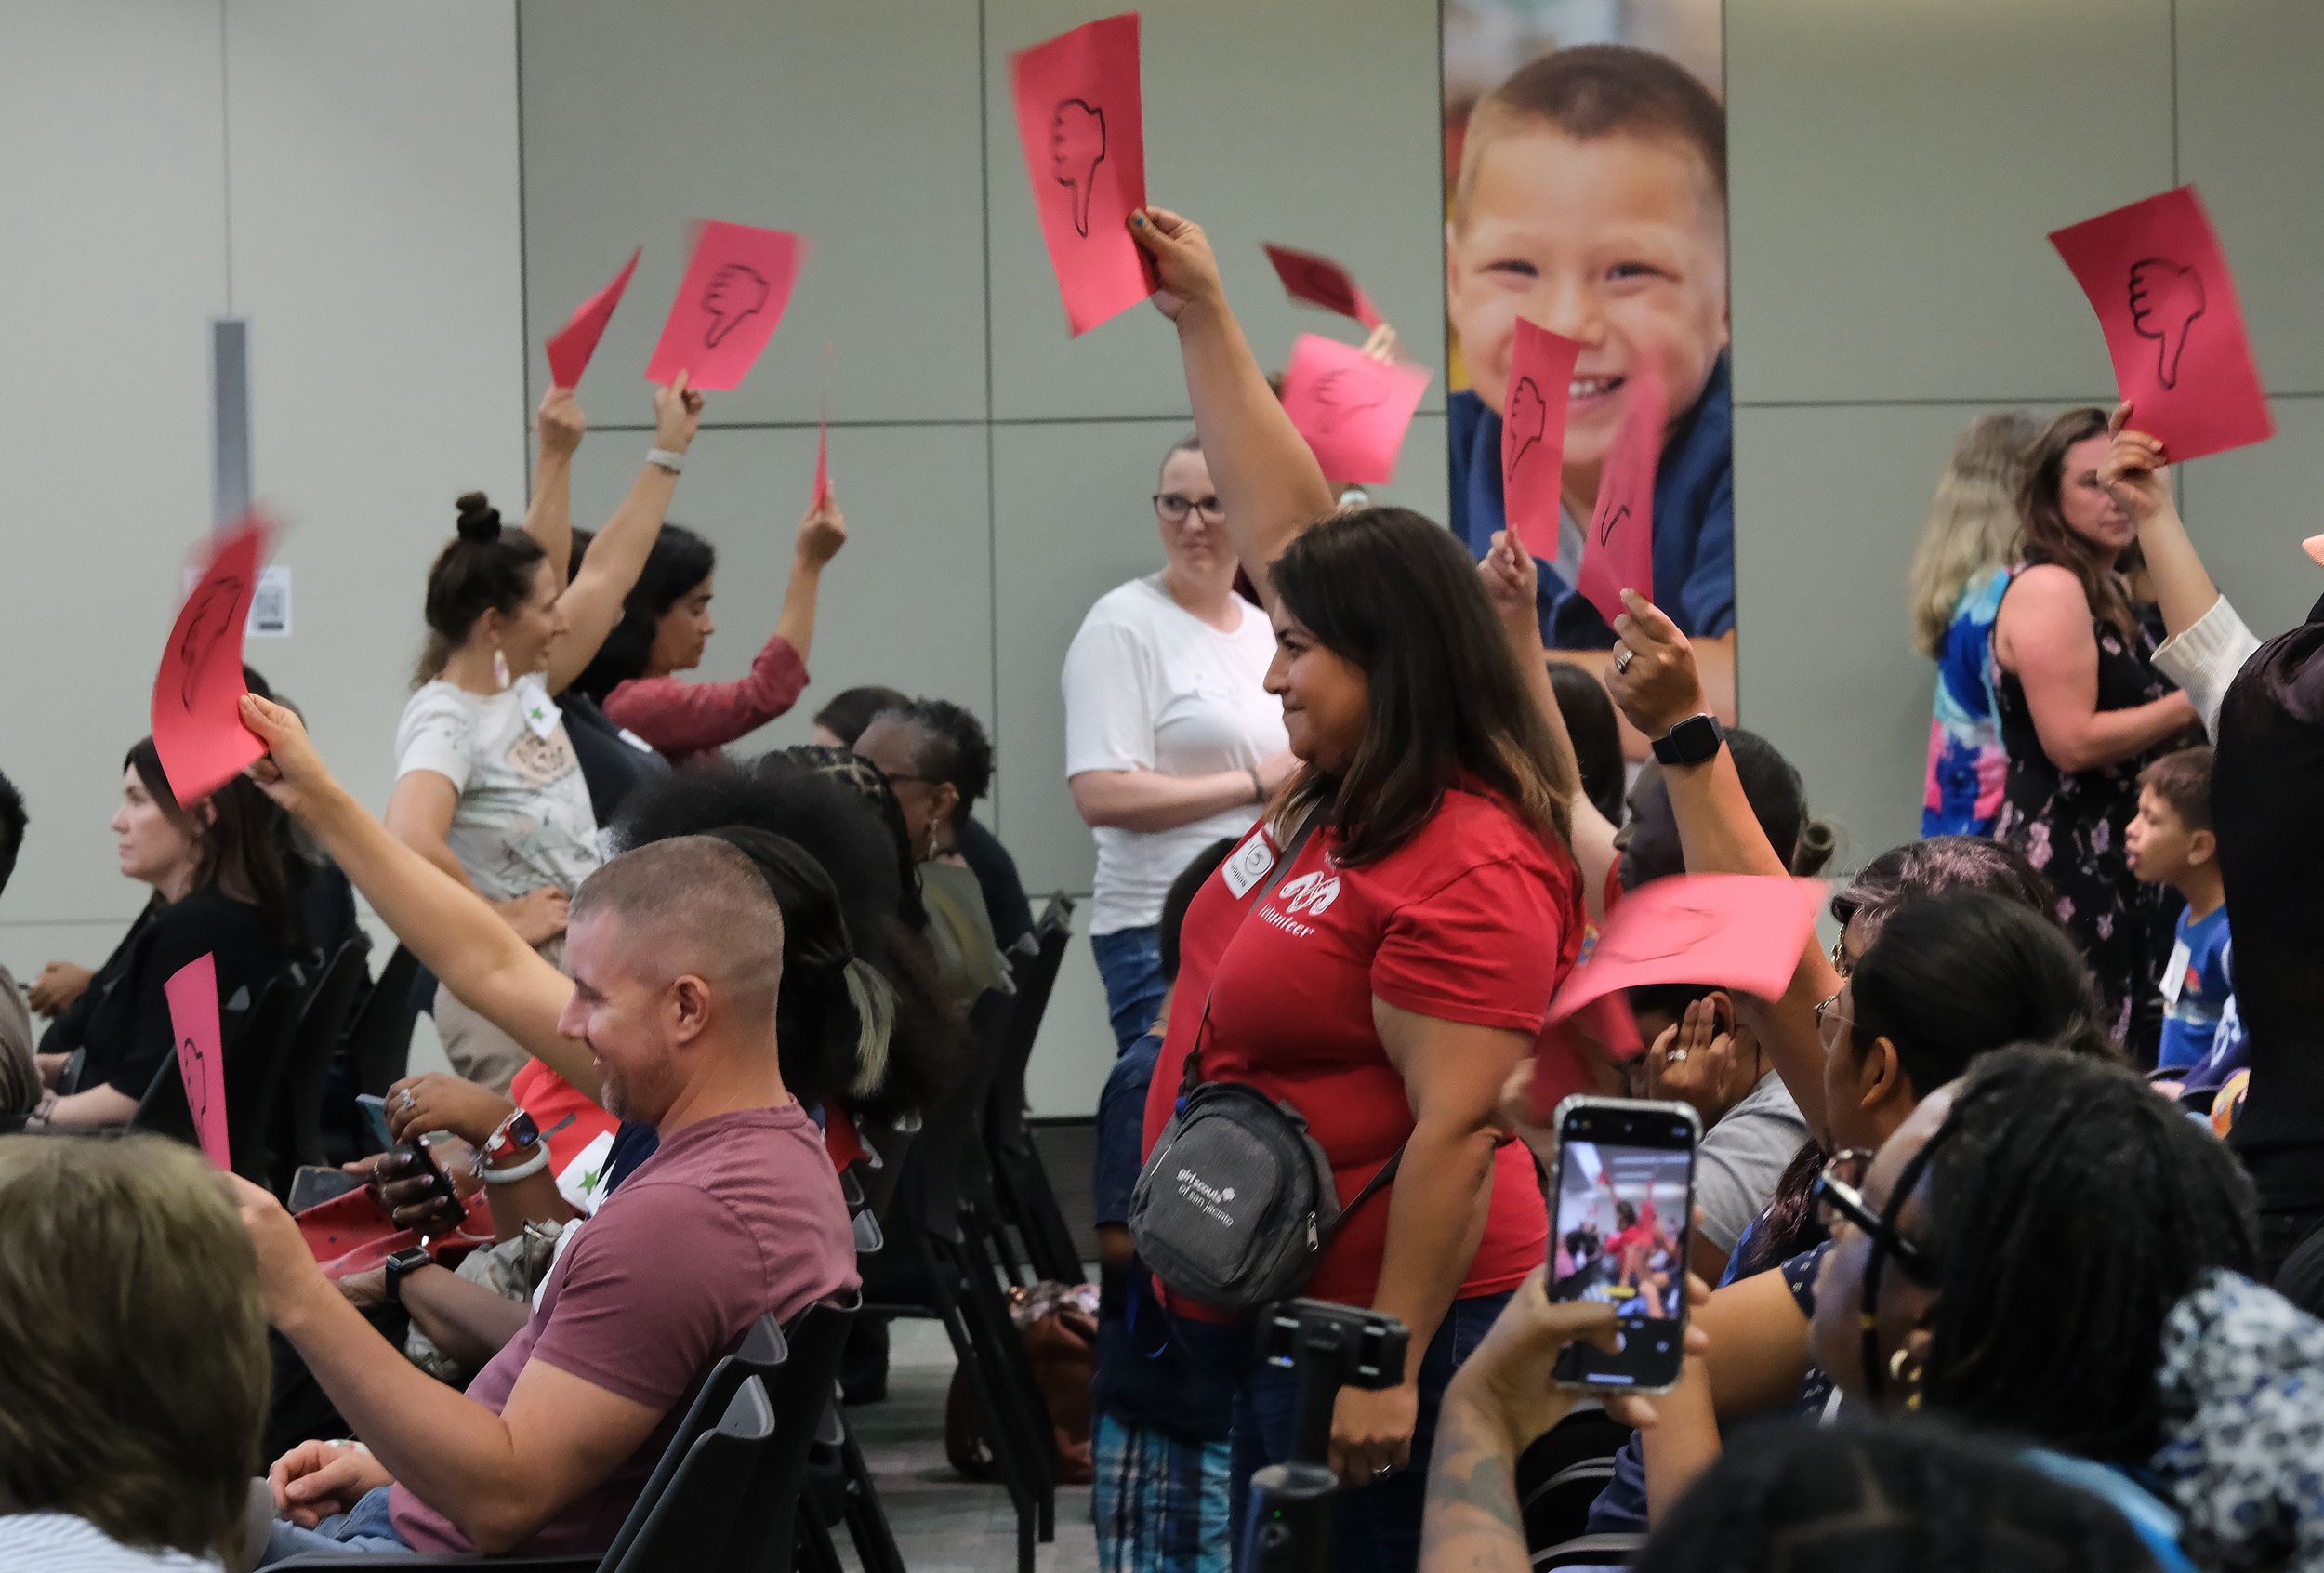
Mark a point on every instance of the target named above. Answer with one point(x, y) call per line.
point(136, 1377)
point(1417, 907)
point(2171, 842)
point(1172, 739)
point(19, 1076)
point(840, 723)
point(488, 787)
point(939, 761)
point(665, 625)
point(2082, 711)
point(1958, 572)
point(215, 868)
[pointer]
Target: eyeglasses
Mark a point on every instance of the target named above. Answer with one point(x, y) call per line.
point(1175, 508)
point(1827, 1011)
point(1839, 1194)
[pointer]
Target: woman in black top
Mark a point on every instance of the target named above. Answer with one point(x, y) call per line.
point(219, 889)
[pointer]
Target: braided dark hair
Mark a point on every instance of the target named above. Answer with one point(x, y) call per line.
point(2070, 1211)
point(952, 747)
point(483, 568)
point(1913, 1494)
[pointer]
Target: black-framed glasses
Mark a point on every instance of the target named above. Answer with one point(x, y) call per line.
point(1175, 508)
point(1838, 1193)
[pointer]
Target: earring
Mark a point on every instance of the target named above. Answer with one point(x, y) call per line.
point(1897, 1374)
point(931, 843)
point(500, 667)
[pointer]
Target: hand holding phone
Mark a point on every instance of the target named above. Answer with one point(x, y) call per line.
point(408, 1180)
point(1624, 1205)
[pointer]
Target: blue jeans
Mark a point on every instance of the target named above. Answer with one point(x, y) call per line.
point(367, 1529)
point(1377, 1528)
point(1130, 962)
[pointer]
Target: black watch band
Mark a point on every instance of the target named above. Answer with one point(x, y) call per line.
point(1691, 741)
point(410, 1259)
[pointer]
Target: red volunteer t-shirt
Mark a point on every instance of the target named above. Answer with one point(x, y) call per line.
point(1474, 920)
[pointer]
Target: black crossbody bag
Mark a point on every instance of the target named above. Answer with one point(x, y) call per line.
point(1237, 1204)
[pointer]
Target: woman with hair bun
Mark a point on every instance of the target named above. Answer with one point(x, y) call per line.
point(488, 787)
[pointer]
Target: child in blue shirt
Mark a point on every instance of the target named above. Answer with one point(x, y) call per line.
point(2170, 842)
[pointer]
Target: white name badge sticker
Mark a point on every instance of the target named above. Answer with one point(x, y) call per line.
point(1248, 864)
point(2175, 972)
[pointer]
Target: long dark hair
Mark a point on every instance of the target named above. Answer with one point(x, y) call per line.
point(678, 562)
point(2048, 537)
point(1399, 597)
point(484, 568)
point(1589, 713)
point(240, 850)
point(2071, 1210)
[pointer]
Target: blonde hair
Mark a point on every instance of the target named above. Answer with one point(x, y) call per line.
point(1973, 525)
point(135, 1379)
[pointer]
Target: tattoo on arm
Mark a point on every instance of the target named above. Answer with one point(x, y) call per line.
point(1472, 1525)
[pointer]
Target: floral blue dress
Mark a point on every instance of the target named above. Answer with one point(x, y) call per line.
point(1967, 762)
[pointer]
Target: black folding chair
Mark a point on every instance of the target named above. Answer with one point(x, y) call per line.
point(1021, 1197)
point(380, 1039)
point(297, 1135)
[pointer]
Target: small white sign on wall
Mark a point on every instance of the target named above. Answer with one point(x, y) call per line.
point(269, 604)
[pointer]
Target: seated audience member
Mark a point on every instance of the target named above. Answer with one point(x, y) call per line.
point(219, 889)
point(840, 723)
point(20, 1076)
point(135, 1376)
point(1597, 735)
point(1771, 785)
point(2171, 842)
point(938, 761)
point(1525, 240)
point(665, 625)
point(677, 962)
point(1164, 1388)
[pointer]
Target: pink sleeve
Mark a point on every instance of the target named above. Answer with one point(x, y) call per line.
point(682, 718)
point(1483, 949)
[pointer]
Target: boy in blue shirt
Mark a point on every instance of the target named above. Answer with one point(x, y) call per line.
point(2170, 842)
point(1592, 201)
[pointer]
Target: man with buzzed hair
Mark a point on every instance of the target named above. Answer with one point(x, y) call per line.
point(676, 952)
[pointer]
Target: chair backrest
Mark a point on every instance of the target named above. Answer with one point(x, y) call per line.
point(254, 1047)
point(1036, 978)
point(762, 1352)
point(802, 1392)
point(298, 1136)
point(380, 1038)
point(947, 1156)
point(691, 1522)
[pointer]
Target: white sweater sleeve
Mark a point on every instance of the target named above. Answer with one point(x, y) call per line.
point(2204, 656)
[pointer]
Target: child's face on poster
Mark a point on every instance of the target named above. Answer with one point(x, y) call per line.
point(1617, 242)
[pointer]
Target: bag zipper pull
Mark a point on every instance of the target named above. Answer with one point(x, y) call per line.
point(1312, 1243)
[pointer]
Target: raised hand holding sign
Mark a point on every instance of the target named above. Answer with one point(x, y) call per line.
point(192, 994)
point(727, 307)
point(1353, 410)
point(1321, 282)
point(2174, 331)
point(197, 727)
point(1533, 434)
point(1081, 126)
point(1617, 552)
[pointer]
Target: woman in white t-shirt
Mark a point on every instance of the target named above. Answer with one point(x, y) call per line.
point(1172, 739)
point(487, 786)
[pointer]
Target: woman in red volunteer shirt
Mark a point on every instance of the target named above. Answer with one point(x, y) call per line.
point(1387, 981)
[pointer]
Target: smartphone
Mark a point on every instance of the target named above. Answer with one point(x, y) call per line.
point(376, 1117)
point(1623, 1212)
point(375, 1109)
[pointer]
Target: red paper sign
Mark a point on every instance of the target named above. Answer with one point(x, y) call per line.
point(1321, 282)
point(822, 465)
point(735, 288)
point(2174, 331)
point(1351, 409)
point(197, 693)
point(1734, 930)
point(1618, 551)
point(1083, 131)
point(192, 994)
point(571, 346)
point(1533, 435)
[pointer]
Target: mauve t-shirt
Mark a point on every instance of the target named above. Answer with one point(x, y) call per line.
point(736, 1216)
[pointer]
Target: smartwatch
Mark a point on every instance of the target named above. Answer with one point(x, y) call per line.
point(1691, 741)
point(410, 1259)
point(520, 1129)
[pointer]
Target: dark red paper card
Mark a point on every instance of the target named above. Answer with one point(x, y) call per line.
point(1321, 282)
point(197, 692)
point(1082, 130)
point(1533, 435)
point(1618, 551)
point(2174, 330)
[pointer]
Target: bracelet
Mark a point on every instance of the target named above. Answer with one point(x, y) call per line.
point(1258, 788)
point(674, 463)
point(525, 1170)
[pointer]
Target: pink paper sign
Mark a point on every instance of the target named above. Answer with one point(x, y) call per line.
point(1321, 282)
point(571, 346)
point(1083, 132)
point(735, 288)
point(192, 994)
point(197, 692)
point(1351, 409)
point(1735, 931)
point(1533, 435)
point(2173, 328)
point(1618, 551)
point(822, 465)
